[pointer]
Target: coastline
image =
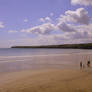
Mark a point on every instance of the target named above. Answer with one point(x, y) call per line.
point(63, 46)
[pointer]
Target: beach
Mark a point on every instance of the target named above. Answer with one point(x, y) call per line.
point(52, 72)
point(45, 45)
point(47, 80)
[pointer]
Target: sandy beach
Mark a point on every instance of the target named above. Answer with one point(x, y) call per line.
point(47, 80)
point(46, 73)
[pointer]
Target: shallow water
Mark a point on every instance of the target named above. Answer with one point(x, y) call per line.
point(15, 59)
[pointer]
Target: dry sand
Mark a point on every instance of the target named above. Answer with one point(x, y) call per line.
point(47, 80)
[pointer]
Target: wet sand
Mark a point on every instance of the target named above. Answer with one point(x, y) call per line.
point(54, 61)
point(47, 80)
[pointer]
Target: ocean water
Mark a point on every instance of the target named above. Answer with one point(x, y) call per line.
point(17, 59)
point(34, 51)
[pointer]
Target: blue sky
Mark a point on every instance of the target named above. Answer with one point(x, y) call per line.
point(17, 15)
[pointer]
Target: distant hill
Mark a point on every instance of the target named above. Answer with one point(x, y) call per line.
point(64, 46)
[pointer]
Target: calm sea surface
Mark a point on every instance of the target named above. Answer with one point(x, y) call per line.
point(15, 59)
point(29, 51)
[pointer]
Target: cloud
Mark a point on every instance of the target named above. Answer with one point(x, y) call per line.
point(73, 27)
point(65, 22)
point(80, 16)
point(83, 34)
point(81, 2)
point(66, 27)
point(42, 20)
point(76, 26)
point(51, 14)
point(25, 20)
point(45, 28)
point(2, 25)
point(46, 19)
point(12, 31)
point(38, 40)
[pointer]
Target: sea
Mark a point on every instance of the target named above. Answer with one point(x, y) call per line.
point(18, 59)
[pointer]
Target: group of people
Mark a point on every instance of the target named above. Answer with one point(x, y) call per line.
point(82, 65)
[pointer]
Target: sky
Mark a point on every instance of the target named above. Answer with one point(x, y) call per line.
point(45, 22)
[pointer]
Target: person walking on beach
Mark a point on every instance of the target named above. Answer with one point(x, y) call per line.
point(81, 65)
point(88, 64)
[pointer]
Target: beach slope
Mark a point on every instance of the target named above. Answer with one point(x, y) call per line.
point(47, 80)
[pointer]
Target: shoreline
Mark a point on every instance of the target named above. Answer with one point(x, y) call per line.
point(57, 61)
